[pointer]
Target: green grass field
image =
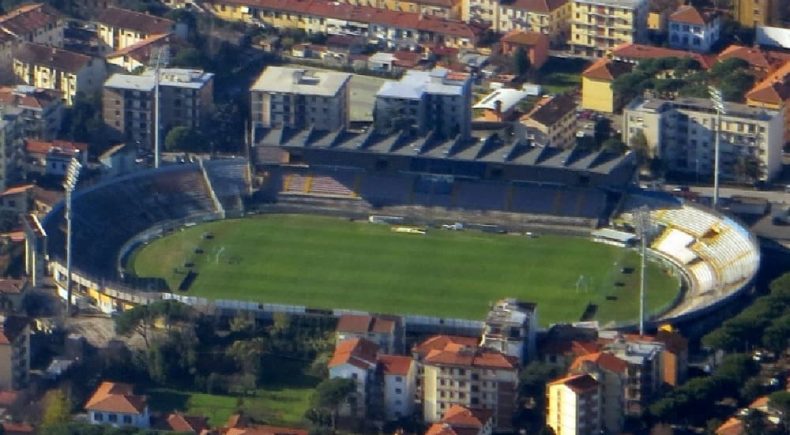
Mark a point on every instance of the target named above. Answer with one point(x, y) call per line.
point(324, 262)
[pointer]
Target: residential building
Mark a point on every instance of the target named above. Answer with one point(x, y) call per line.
point(13, 290)
point(438, 100)
point(393, 28)
point(762, 62)
point(643, 375)
point(548, 17)
point(534, 44)
point(186, 96)
point(115, 404)
point(398, 377)
point(461, 374)
point(356, 359)
point(53, 158)
point(420, 350)
point(451, 9)
point(38, 23)
point(574, 405)
point(460, 420)
point(682, 133)
point(297, 98)
point(14, 352)
point(121, 28)
point(610, 372)
point(142, 53)
point(694, 29)
point(17, 200)
point(635, 53)
point(552, 122)
point(510, 327)
point(597, 92)
point(773, 93)
point(263, 430)
point(500, 105)
point(118, 160)
point(597, 26)
point(386, 332)
point(11, 147)
point(181, 423)
point(753, 13)
point(42, 109)
point(674, 357)
point(61, 70)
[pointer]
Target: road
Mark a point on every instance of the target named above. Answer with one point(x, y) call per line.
point(776, 196)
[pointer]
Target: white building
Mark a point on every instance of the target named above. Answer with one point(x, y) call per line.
point(299, 98)
point(510, 328)
point(355, 359)
point(438, 100)
point(11, 147)
point(42, 109)
point(681, 133)
point(399, 385)
point(574, 405)
point(116, 404)
point(695, 30)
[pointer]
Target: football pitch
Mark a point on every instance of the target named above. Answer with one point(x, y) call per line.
point(324, 262)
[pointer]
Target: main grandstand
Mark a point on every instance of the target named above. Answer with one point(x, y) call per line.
point(426, 179)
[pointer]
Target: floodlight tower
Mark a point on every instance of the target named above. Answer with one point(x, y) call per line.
point(643, 226)
point(69, 184)
point(718, 104)
point(161, 58)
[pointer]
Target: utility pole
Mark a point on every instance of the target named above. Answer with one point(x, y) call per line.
point(718, 103)
point(69, 184)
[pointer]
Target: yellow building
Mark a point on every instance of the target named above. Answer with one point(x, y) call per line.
point(574, 405)
point(753, 13)
point(62, 70)
point(550, 17)
point(121, 28)
point(451, 9)
point(597, 92)
point(14, 352)
point(597, 26)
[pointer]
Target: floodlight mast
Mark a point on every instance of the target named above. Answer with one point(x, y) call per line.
point(718, 103)
point(642, 221)
point(69, 184)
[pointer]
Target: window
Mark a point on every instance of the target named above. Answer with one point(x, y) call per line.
point(112, 418)
point(398, 391)
point(127, 419)
point(98, 416)
point(398, 379)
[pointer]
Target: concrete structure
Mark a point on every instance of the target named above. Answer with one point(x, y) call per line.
point(501, 105)
point(185, 96)
point(14, 352)
point(11, 147)
point(753, 13)
point(510, 328)
point(141, 53)
point(694, 29)
point(451, 9)
point(299, 98)
point(115, 404)
point(42, 109)
point(356, 359)
point(398, 377)
point(458, 372)
point(643, 375)
point(597, 92)
point(682, 134)
point(52, 158)
point(535, 45)
point(597, 26)
point(548, 17)
point(436, 100)
point(610, 372)
point(38, 23)
point(121, 28)
point(574, 405)
point(61, 70)
point(387, 333)
point(552, 122)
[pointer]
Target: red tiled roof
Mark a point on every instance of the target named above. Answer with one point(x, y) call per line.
point(116, 397)
point(601, 359)
point(395, 364)
point(12, 286)
point(541, 6)
point(440, 342)
point(28, 19)
point(358, 352)
point(467, 356)
point(37, 98)
point(33, 146)
point(265, 430)
point(138, 21)
point(461, 416)
point(440, 429)
point(760, 402)
point(178, 422)
point(605, 69)
point(141, 50)
point(523, 37)
point(757, 58)
point(62, 60)
point(775, 89)
point(8, 397)
point(17, 190)
point(18, 428)
point(577, 383)
point(732, 426)
point(691, 15)
point(359, 324)
point(636, 52)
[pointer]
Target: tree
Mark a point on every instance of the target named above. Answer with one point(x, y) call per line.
point(190, 57)
point(780, 401)
point(521, 62)
point(57, 409)
point(141, 318)
point(777, 336)
point(247, 355)
point(330, 394)
point(183, 138)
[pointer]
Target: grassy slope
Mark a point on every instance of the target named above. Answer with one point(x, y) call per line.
point(326, 262)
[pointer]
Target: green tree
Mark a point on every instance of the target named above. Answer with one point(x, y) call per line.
point(330, 394)
point(140, 319)
point(183, 138)
point(780, 401)
point(190, 58)
point(57, 409)
point(521, 62)
point(247, 355)
point(777, 336)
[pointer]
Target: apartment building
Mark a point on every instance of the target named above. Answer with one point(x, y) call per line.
point(53, 158)
point(438, 100)
point(387, 333)
point(682, 133)
point(610, 372)
point(185, 98)
point(510, 328)
point(42, 109)
point(393, 28)
point(298, 98)
point(753, 13)
point(643, 372)
point(549, 17)
point(398, 377)
point(552, 122)
point(694, 29)
point(140, 54)
point(597, 26)
point(356, 359)
point(455, 372)
point(14, 352)
point(37, 23)
point(11, 147)
point(450, 9)
point(61, 70)
point(534, 44)
point(574, 405)
point(773, 93)
point(459, 420)
point(121, 28)
point(115, 404)
point(597, 92)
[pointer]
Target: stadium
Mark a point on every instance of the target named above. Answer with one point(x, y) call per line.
point(189, 225)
